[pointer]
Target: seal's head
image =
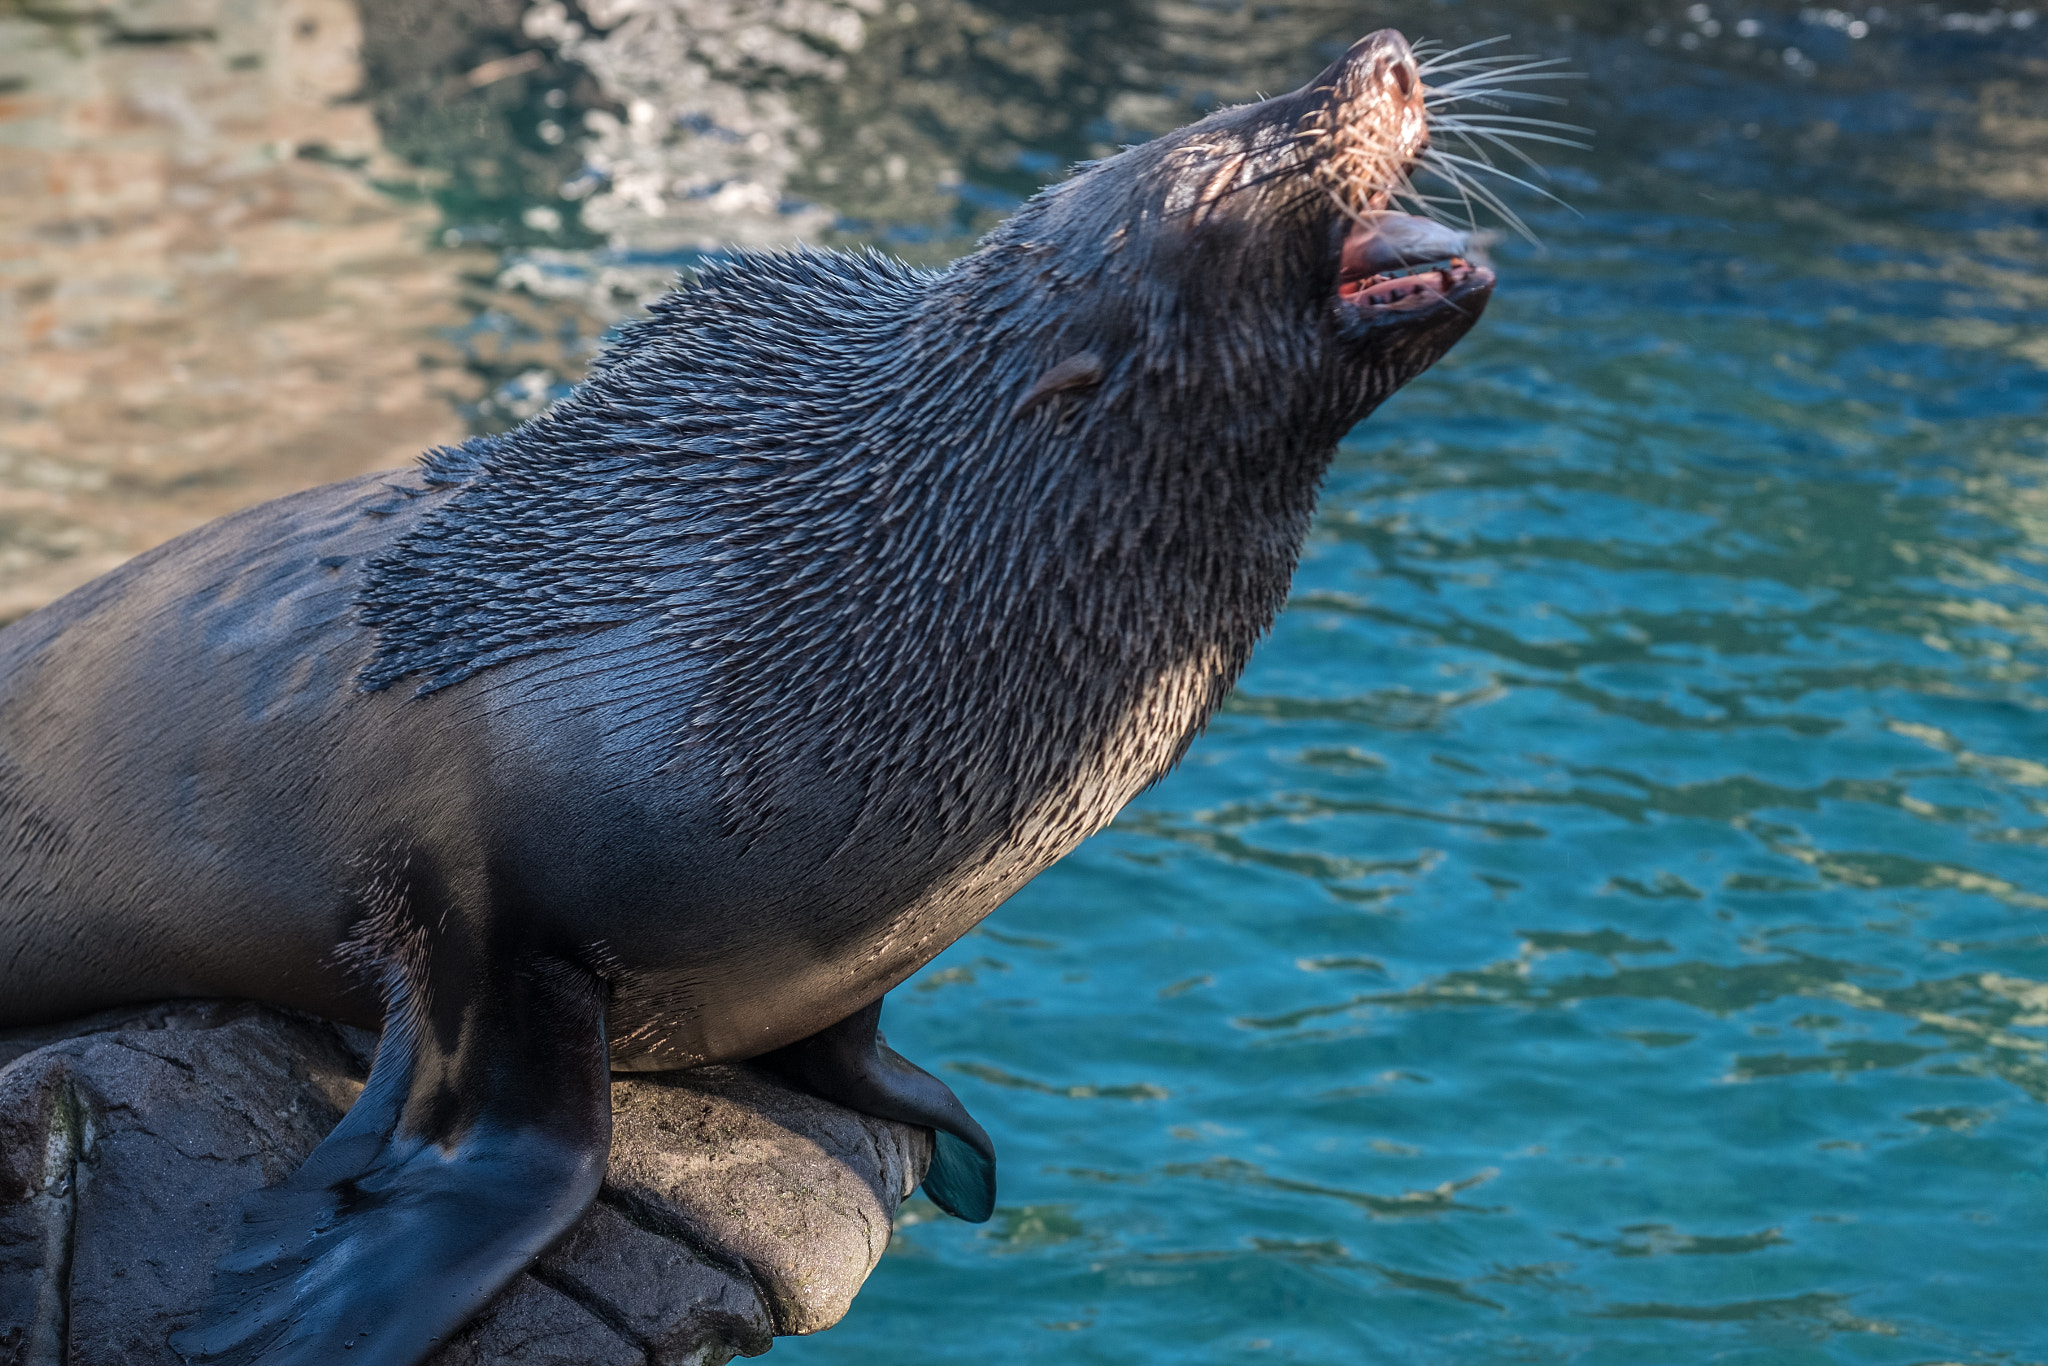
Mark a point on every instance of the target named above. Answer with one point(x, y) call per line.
point(1252, 259)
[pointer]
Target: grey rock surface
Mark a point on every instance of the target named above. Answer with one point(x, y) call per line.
point(734, 1210)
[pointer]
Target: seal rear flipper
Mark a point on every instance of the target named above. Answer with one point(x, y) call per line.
point(851, 1064)
point(477, 1141)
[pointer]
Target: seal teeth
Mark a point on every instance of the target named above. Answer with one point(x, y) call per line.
point(1432, 281)
point(1427, 267)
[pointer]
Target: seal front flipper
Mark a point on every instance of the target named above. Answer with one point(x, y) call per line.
point(851, 1064)
point(481, 1135)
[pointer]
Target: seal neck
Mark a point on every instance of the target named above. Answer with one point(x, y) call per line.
point(804, 477)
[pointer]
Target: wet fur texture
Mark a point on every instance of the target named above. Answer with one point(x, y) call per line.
point(683, 722)
point(807, 473)
point(807, 623)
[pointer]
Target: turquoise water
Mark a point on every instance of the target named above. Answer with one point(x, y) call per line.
point(1606, 924)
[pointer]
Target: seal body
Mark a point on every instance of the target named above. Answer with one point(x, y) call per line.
point(545, 787)
point(683, 722)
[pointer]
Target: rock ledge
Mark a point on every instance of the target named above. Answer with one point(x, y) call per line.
point(734, 1210)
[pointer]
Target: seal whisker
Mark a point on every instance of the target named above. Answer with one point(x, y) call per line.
point(1535, 166)
point(1464, 200)
point(1467, 136)
point(1460, 172)
point(1512, 150)
point(1505, 139)
point(1436, 155)
point(1506, 117)
point(1492, 68)
point(1436, 60)
point(1470, 188)
point(1500, 105)
point(1489, 83)
point(1503, 98)
point(1510, 75)
point(1511, 126)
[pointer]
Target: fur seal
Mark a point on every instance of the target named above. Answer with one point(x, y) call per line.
point(683, 722)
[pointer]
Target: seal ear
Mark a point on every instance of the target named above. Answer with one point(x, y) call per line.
point(1082, 370)
point(849, 1063)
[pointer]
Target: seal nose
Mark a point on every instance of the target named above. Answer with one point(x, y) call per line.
point(1366, 121)
point(1389, 60)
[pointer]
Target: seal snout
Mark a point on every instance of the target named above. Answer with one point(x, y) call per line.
point(1371, 125)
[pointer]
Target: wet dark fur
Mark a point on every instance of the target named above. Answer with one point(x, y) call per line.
point(804, 477)
point(843, 621)
point(684, 721)
point(804, 470)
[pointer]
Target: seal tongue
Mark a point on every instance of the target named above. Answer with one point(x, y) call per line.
point(1386, 243)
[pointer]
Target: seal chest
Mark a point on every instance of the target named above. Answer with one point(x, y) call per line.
point(684, 721)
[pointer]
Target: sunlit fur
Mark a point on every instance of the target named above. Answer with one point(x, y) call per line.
point(803, 473)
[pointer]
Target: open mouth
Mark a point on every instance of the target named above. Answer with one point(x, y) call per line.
point(1396, 263)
